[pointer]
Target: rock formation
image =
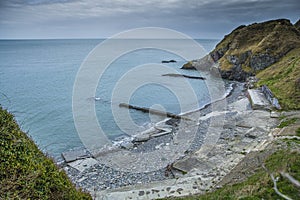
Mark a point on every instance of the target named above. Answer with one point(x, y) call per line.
point(250, 49)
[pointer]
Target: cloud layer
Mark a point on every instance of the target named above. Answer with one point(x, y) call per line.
point(98, 19)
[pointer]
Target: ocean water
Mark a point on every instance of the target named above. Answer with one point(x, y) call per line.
point(37, 79)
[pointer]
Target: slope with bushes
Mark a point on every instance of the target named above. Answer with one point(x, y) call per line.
point(25, 172)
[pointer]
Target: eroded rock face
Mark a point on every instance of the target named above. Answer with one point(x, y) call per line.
point(262, 61)
point(236, 73)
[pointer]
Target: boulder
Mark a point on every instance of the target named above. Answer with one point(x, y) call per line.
point(141, 138)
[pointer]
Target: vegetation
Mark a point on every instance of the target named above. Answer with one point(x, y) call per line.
point(260, 185)
point(287, 122)
point(282, 77)
point(25, 172)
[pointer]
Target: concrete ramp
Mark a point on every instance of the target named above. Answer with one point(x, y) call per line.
point(258, 100)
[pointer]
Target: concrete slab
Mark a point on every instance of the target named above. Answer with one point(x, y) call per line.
point(240, 105)
point(83, 164)
point(73, 155)
point(156, 190)
point(187, 164)
point(258, 99)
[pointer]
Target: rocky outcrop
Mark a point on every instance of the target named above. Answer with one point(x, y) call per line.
point(250, 49)
point(168, 61)
point(297, 24)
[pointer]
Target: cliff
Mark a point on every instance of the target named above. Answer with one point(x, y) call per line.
point(249, 49)
point(269, 50)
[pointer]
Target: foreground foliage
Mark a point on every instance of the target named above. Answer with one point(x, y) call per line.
point(25, 172)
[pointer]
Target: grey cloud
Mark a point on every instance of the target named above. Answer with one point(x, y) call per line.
point(201, 18)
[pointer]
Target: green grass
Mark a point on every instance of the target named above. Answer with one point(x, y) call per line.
point(25, 172)
point(260, 186)
point(281, 79)
point(287, 122)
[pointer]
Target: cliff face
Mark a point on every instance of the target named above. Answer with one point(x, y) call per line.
point(250, 49)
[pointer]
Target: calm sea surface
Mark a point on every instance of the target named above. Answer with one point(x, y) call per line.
point(36, 85)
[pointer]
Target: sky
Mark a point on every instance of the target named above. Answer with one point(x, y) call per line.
point(36, 19)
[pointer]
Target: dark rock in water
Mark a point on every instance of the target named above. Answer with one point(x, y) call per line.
point(168, 61)
point(185, 76)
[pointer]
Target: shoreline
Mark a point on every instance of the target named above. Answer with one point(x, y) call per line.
point(99, 177)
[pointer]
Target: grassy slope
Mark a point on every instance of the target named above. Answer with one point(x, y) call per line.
point(25, 172)
point(281, 76)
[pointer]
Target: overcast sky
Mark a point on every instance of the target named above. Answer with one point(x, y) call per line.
point(103, 18)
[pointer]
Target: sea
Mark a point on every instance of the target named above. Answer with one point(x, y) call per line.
point(37, 79)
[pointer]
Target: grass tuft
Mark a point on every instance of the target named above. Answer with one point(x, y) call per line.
point(287, 122)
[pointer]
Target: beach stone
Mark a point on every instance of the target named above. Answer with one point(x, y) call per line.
point(275, 114)
point(254, 132)
point(127, 145)
point(141, 138)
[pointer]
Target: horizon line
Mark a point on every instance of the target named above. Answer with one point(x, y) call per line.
point(103, 38)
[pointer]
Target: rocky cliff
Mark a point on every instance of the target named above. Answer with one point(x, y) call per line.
point(250, 49)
